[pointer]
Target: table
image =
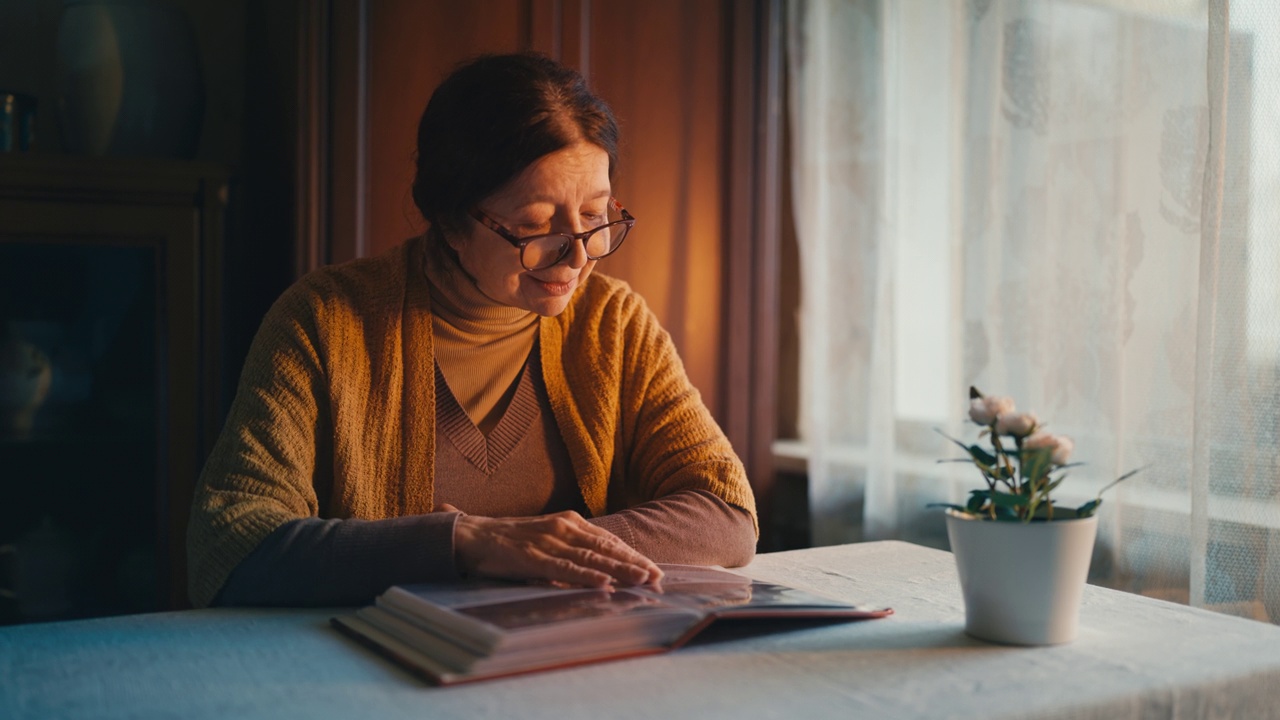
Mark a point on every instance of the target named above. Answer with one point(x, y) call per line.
point(1135, 657)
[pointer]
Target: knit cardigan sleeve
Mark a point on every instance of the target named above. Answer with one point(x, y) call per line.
point(635, 426)
point(274, 445)
point(333, 418)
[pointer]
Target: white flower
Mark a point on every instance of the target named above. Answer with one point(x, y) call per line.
point(985, 410)
point(1018, 424)
point(1063, 452)
point(1060, 445)
point(1040, 440)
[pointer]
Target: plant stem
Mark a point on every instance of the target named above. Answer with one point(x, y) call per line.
point(1017, 442)
point(1031, 507)
point(1003, 457)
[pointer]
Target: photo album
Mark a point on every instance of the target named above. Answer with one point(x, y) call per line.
point(474, 630)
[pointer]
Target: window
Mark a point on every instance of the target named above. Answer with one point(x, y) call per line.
point(1067, 202)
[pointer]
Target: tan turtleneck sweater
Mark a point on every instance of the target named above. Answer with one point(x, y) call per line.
point(321, 486)
point(481, 345)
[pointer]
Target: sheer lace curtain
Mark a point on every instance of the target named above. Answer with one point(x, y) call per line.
point(1073, 203)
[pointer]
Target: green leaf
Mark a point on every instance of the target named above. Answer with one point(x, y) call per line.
point(1121, 479)
point(1088, 508)
point(950, 506)
point(957, 442)
point(978, 453)
point(977, 499)
point(1009, 500)
point(1004, 513)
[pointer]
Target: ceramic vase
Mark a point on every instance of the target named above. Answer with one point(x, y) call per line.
point(1022, 582)
point(25, 379)
point(129, 79)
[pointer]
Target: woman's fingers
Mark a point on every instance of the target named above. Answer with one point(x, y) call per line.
point(558, 568)
point(620, 560)
point(561, 548)
point(625, 572)
point(608, 552)
point(611, 547)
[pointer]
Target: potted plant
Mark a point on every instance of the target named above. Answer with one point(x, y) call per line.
point(1022, 559)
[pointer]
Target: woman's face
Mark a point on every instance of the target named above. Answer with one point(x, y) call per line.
point(566, 191)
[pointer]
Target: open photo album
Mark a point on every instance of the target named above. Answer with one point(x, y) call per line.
point(473, 630)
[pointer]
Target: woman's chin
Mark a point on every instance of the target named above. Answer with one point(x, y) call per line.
point(550, 306)
point(548, 299)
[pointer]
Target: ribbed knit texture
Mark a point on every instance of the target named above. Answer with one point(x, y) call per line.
point(489, 451)
point(335, 413)
point(521, 468)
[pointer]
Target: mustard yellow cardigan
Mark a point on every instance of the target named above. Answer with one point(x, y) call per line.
point(335, 412)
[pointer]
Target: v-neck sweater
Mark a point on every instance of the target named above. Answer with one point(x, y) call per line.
point(519, 468)
point(481, 344)
point(332, 431)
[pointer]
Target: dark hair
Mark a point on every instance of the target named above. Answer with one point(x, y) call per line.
point(492, 118)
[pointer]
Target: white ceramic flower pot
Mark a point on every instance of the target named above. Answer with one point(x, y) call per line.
point(1022, 582)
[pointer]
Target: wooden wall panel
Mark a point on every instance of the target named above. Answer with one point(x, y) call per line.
point(660, 64)
point(412, 46)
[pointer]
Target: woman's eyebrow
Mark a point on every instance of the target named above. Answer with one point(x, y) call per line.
point(547, 199)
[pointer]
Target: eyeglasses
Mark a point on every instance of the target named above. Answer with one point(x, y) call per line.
point(538, 252)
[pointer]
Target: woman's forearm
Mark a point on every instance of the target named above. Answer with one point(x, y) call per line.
point(691, 526)
point(317, 562)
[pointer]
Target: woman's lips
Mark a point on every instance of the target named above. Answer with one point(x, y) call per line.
point(555, 287)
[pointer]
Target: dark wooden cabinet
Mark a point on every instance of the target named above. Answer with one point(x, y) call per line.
point(110, 378)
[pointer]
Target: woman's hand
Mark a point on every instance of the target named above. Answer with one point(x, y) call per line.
point(562, 548)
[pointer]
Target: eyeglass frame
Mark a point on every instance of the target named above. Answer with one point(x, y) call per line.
point(519, 243)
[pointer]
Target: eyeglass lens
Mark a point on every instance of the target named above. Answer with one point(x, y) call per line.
point(547, 250)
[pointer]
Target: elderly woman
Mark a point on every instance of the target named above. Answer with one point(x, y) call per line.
point(475, 402)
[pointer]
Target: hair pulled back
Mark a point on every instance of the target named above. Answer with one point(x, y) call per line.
point(492, 118)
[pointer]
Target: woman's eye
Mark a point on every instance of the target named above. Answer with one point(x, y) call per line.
point(527, 229)
point(593, 219)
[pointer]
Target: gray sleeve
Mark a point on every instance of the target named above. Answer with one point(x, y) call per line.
point(319, 562)
point(690, 526)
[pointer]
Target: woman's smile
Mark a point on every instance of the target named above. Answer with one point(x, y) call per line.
point(562, 287)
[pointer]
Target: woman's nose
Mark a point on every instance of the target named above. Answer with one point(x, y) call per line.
point(576, 256)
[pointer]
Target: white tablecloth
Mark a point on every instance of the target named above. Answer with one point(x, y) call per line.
point(1135, 658)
